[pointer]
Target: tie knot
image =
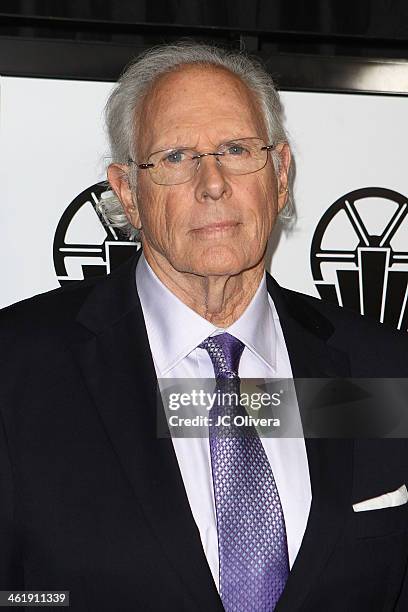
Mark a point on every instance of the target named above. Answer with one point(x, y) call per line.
point(225, 353)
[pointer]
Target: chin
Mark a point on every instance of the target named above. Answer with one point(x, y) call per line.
point(217, 262)
point(218, 271)
point(215, 259)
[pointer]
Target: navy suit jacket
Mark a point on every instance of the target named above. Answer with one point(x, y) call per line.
point(91, 501)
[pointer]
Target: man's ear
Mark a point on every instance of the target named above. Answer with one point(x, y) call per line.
point(283, 187)
point(119, 180)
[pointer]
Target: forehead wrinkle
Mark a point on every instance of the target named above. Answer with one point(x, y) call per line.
point(195, 119)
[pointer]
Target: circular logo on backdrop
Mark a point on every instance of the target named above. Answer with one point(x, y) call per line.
point(359, 254)
point(84, 243)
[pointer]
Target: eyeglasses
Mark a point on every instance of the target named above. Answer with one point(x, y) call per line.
point(177, 166)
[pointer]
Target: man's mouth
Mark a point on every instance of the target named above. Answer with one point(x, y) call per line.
point(218, 228)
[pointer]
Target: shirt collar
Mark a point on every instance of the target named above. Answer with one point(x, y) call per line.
point(175, 330)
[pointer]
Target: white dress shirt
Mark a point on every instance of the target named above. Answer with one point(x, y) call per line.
point(175, 331)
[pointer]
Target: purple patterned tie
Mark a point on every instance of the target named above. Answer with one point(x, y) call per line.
point(252, 543)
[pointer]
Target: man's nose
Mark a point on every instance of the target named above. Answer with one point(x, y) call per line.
point(212, 183)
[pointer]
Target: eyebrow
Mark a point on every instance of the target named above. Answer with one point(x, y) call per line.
point(169, 147)
point(175, 148)
point(194, 147)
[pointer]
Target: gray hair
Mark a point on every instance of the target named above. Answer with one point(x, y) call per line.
point(122, 118)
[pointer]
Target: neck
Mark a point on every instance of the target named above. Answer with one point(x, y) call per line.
point(220, 299)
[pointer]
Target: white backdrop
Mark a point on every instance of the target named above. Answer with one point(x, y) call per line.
point(53, 147)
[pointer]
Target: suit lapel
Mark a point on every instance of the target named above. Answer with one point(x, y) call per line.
point(117, 366)
point(306, 334)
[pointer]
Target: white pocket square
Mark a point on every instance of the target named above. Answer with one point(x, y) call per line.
point(388, 500)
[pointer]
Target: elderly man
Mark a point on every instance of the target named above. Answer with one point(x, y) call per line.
point(92, 500)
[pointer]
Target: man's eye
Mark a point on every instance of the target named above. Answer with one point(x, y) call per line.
point(236, 150)
point(175, 157)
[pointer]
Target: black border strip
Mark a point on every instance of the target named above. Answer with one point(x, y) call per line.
point(179, 29)
point(104, 61)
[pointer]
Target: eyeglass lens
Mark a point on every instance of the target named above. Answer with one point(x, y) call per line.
point(176, 166)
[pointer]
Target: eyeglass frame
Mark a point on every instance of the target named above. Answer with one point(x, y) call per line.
point(147, 166)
